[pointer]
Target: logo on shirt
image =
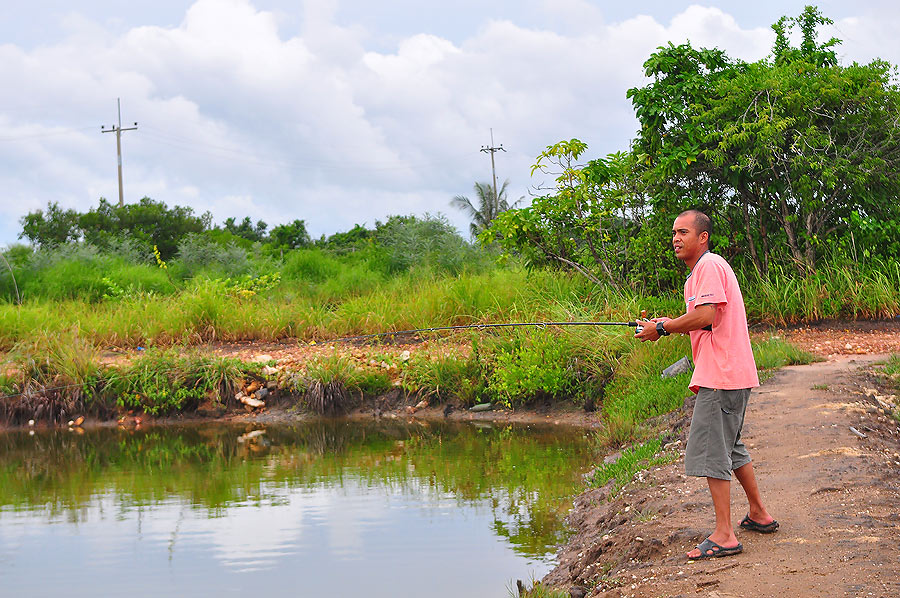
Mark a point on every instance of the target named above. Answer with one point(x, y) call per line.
point(692, 298)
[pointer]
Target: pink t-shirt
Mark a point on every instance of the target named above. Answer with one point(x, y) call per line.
point(723, 358)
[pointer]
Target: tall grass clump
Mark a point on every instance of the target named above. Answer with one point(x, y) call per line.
point(52, 376)
point(783, 297)
point(331, 379)
point(638, 392)
point(892, 368)
point(443, 377)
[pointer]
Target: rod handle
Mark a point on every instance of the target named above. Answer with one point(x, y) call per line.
point(637, 327)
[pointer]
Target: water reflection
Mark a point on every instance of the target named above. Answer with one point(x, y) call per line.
point(375, 508)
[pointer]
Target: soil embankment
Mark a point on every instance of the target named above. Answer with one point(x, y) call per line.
point(835, 491)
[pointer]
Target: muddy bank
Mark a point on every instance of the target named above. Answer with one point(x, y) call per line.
point(833, 489)
point(287, 409)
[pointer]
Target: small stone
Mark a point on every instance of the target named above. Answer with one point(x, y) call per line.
point(422, 404)
point(263, 358)
point(269, 371)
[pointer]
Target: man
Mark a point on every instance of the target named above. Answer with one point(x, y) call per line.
point(723, 376)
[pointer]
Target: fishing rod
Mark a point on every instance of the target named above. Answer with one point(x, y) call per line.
point(638, 328)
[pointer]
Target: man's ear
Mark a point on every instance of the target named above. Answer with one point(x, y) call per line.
point(706, 240)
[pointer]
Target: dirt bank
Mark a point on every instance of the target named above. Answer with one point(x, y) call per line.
point(834, 492)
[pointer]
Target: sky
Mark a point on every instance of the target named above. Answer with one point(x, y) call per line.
point(340, 112)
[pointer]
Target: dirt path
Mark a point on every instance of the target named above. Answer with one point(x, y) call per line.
point(835, 494)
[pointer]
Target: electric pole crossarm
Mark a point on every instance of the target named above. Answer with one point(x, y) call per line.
point(492, 151)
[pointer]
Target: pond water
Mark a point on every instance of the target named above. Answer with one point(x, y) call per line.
point(314, 509)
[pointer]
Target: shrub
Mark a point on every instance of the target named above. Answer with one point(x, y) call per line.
point(442, 377)
point(310, 265)
point(430, 241)
point(197, 253)
point(531, 364)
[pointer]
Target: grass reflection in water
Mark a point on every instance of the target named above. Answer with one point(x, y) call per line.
point(524, 474)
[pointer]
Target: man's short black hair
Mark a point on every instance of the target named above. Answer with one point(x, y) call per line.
point(701, 221)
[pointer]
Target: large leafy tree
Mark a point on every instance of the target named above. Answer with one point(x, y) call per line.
point(490, 205)
point(291, 236)
point(246, 229)
point(150, 222)
point(787, 150)
point(50, 227)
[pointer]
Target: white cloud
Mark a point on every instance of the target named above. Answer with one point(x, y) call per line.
point(240, 116)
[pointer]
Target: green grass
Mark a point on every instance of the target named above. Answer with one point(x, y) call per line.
point(892, 367)
point(631, 461)
point(774, 352)
point(442, 377)
point(346, 372)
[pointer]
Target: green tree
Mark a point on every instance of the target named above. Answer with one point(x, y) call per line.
point(52, 227)
point(150, 222)
point(246, 229)
point(489, 206)
point(290, 236)
point(585, 222)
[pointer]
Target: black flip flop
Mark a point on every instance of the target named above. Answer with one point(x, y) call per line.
point(709, 549)
point(751, 525)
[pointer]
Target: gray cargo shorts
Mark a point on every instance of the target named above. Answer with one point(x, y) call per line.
point(714, 447)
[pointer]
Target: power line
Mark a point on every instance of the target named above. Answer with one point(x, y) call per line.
point(230, 153)
point(118, 131)
point(65, 131)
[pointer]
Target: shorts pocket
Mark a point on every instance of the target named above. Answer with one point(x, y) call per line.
point(731, 403)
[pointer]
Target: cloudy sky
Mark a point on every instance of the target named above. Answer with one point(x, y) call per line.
point(339, 111)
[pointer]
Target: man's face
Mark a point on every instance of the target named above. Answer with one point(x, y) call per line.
point(688, 244)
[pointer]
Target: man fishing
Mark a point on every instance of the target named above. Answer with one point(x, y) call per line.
point(723, 376)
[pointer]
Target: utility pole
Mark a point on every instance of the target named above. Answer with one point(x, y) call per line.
point(118, 131)
point(492, 151)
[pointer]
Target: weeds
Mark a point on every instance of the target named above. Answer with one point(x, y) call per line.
point(632, 460)
point(442, 378)
point(170, 380)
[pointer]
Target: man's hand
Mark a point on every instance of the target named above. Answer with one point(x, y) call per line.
point(649, 332)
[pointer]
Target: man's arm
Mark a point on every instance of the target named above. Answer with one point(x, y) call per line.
point(700, 317)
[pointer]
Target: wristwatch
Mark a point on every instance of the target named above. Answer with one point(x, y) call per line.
point(661, 330)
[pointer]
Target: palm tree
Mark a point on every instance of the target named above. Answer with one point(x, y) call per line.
point(489, 207)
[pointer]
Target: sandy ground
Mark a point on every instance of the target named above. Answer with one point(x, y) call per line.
point(835, 494)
